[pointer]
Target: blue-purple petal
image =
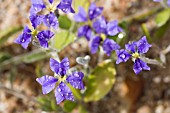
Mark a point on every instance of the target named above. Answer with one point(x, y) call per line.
point(36, 20)
point(50, 20)
point(54, 65)
point(25, 38)
point(94, 11)
point(100, 25)
point(47, 82)
point(63, 92)
point(142, 45)
point(110, 45)
point(113, 28)
point(65, 6)
point(85, 31)
point(81, 16)
point(139, 65)
point(94, 44)
point(75, 79)
point(37, 6)
point(122, 56)
point(59, 68)
point(168, 2)
point(156, 0)
point(65, 64)
point(51, 1)
point(44, 37)
point(131, 47)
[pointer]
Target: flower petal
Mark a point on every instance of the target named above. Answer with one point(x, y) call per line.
point(109, 45)
point(122, 56)
point(50, 20)
point(65, 6)
point(63, 92)
point(37, 6)
point(59, 68)
point(44, 36)
point(113, 28)
point(132, 47)
point(51, 1)
point(36, 20)
point(94, 44)
point(139, 65)
point(85, 31)
point(65, 64)
point(75, 79)
point(100, 25)
point(94, 11)
point(47, 82)
point(81, 16)
point(143, 45)
point(25, 38)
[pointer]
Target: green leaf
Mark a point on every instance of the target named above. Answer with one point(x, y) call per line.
point(35, 56)
point(161, 31)
point(163, 17)
point(30, 57)
point(100, 81)
point(146, 32)
point(62, 39)
point(64, 22)
point(69, 106)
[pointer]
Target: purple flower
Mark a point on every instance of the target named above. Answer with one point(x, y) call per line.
point(134, 50)
point(62, 92)
point(85, 31)
point(93, 12)
point(110, 45)
point(81, 16)
point(50, 20)
point(65, 6)
point(108, 28)
point(25, 38)
point(44, 37)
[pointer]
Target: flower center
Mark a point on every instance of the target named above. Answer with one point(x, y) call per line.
point(135, 55)
point(51, 8)
point(34, 32)
point(103, 36)
point(62, 78)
